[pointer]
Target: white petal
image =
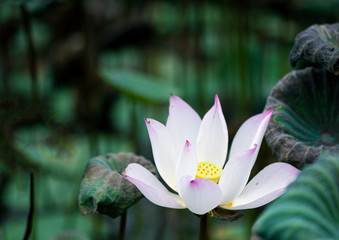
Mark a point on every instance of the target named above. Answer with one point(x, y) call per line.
point(250, 133)
point(212, 139)
point(200, 195)
point(151, 187)
point(187, 164)
point(266, 186)
point(236, 174)
point(163, 151)
point(183, 123)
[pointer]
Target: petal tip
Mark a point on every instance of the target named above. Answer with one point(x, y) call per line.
point(148, 123)
point(176, 102)
point(254, 148)
point(187, 146)
point(269, 112)
point(123, 173)
point(217, 101)
point(174, 98)
point(294, 170)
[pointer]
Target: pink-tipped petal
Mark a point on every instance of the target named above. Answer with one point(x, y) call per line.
point(163, 151)
point(258, 202)
point(151, 187)
point(187, 164)
point(212, 139)
point(266, 186)
point(183, 123)
point(236, 174)
point(200, 195)
point(250, 133)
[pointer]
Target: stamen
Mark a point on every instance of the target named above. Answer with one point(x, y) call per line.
point(230, 204)
point(209, 171)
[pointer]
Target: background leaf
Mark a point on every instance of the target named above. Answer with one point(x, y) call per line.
point(318, 44)
point(104, 190)
point(137, 85)
point(309, 209)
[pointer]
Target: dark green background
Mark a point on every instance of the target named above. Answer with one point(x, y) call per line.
point(77, 78)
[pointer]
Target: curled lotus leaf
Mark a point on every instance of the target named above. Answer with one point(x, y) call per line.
point(104, 190)
point(310, 207)
point(305, 120)
point(318, 44)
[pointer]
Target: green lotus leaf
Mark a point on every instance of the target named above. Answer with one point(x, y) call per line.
point(305, 120)
point(318, 44)
point(104, 190)
point(310, 207)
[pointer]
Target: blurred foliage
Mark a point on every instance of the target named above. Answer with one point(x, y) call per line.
point(137, 86)
point(193, 49)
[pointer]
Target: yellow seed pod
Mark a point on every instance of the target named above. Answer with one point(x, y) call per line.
point(209, 170)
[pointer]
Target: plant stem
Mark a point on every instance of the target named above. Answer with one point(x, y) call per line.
point(26, 21)
point(122, 229)
point(31, 210)
point(203, 233)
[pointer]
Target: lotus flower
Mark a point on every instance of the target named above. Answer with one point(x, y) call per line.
point(190, 155)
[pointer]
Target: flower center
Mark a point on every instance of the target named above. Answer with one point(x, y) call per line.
point(209, 170)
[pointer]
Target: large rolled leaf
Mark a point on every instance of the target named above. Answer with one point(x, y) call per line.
point(305, 119)
point(318, 44)
point(104, 190)
point(309, 209)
